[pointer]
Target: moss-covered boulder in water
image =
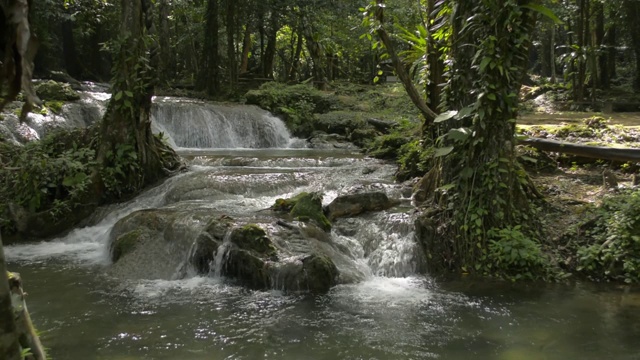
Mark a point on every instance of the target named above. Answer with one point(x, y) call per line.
point(125, 243)
point(247, 268)
point(309, 207)
point(56, 91)
point(253, 238)
point(320, 273)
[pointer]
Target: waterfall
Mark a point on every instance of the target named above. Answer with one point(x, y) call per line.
point(189, 124)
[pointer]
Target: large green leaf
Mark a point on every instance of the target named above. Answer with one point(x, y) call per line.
point(445, 116)
point(545, 11)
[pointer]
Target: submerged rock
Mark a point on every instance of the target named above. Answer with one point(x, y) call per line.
point(252, 238)
point(355, 204)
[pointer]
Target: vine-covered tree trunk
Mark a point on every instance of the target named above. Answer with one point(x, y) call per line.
point(9, 346)
point(482, 187)
point(126, 140)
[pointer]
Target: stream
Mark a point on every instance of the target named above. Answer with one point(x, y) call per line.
point(241, 160)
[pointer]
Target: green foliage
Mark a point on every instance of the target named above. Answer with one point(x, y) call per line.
point(514, 256)
point(122, 175)
point(397, 144)
point(414, 160)
point(55, 91)
point(52, 174)
point(614, 250)
point(296, 104)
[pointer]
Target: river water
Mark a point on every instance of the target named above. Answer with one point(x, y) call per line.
point(386, 310)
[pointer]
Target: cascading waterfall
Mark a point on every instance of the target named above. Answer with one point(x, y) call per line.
point(188, 124)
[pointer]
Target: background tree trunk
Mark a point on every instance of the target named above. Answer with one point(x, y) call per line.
point(210, 76)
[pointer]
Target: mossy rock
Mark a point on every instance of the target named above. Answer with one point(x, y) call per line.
point(54, 106)
point(248, 269)
point(56, 91)
point(320, 273)
point(285, 205)
point(309, 207)
point(125, 244)
point(388, 146)
point(253, 238)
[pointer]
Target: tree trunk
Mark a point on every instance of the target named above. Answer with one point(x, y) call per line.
point(19, 47)
point(632, 15)
point(232, 62)
point(210, 76)
point(270, 51)
point(612, 53)
point(593, 152)
point(295, 60)
point(434, 59)
point(69, 52)
point(9, 346)
point(246, 49)
point(125, 137)
point(603, 66)
point(167, 66)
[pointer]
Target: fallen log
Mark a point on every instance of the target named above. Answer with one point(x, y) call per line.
point(588, 151)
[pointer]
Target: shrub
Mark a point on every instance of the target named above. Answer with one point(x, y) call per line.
point(513, 255)
point(614, 252)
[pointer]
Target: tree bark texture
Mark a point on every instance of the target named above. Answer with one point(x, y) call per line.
point(9, 346)
point(18, 46)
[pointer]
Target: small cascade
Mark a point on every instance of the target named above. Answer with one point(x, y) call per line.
point(221, 255)
point(189, 124)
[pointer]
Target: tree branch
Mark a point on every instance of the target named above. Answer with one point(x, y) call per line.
point(428, 114)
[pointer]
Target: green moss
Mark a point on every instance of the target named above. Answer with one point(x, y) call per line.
point(54, 106)
point(253, 238)
point(125, 244)
point(310, 207)
point(287, 204)
point(56, 91)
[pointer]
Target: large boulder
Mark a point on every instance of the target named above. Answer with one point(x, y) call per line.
point(355, 204)
point(165, 243)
